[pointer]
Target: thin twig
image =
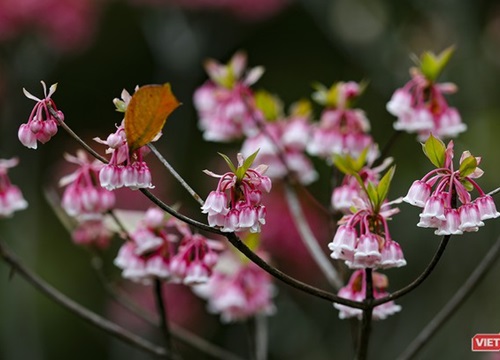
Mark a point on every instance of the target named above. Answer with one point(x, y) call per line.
point(454, 303)
point(162, 313)
point(261, 337)
point(309, 239)
point(178, 332)
point(420, 279)
point(494, 192)
point(366, 320)
point(172, 171)
point(241, 246)
point(82, 312)
point(75, 136)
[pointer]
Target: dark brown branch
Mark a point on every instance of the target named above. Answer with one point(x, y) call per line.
point(162, 312)
point(366, 320)
point(80, 311)
point(178, 333)
point(454, 303)
point(428, 270)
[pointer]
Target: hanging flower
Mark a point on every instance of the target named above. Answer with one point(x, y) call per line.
point(224, 103)
point(420, 105)
point(41, 125)
point(236, 203)
point(238, 289)
point(356, 290)
point(167, 249)
point(341, 129)
point(440, 208)
point(11, 198)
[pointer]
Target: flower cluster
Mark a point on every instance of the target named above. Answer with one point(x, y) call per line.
point(11, 198)
point(341, 129)
point(124, 168)
point(224, 102)
point(86, 201)
point(356, 290)
point(282, 143)
point(92, 232)
point(420, 105)
point(440, 208)
point(166, 249)
point(83, 195)
point(243, 209)
point(238, 289)
point(41, 125)
point(363, 239)
point(343, 196)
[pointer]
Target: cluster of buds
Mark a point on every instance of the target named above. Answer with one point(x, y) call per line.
point(242, 209)
point(440, 208)
point(282, 141)
point(362, 239)
point(11, 198)
point(166, 249)
point(238, 289)
point(341, 129)
point(420, 105)
point(41, 125)
point(356, 290)
point(224, 101)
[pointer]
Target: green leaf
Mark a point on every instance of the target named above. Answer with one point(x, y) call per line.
point(228, 161)
point(301, 108)
point(240, 172)
point(468, 166)
point(467, 184)
point(361, 160)
point(384, 184)
point(342, 163)
point(249, 160)
point(372, 193)
point(432, 65)
point(270, 105)
point(435, 151)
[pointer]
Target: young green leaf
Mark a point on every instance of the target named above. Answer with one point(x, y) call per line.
point(342, 163)
point(384, 184)
point(468, 166)
point(432, 65)
point(372, 193)
point(361, 160)
point(435, 150)
point(269, 104)
point(467, 184)
point(228, 162)
point(249, 160)
point(241, 170)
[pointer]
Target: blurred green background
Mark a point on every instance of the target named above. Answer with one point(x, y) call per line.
point(94, 49)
